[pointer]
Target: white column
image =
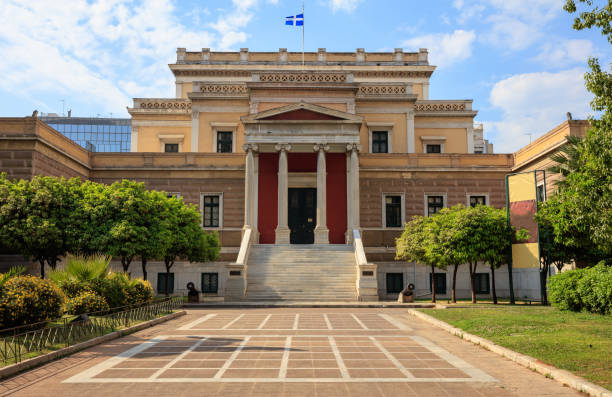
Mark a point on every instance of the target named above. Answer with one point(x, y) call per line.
point(249, 187)
point(410, 131)
point(321, 232)
point(134, 139)
point(470, 139)
point(353, 186)
point(282, 229)
point(195, 130)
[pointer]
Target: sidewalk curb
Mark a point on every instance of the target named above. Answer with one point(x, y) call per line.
point(13, 369)
point(560, 375)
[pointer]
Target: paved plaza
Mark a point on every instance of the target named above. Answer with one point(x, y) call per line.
point(292, 352)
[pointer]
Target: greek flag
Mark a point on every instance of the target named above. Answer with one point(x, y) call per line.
point(297, 20)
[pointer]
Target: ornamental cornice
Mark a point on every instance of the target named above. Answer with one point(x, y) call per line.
point(221, 89)
point(391, 73)
point(212, 73)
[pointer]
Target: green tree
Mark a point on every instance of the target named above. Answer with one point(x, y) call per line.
point(153, 212)
point(183, 237)
point(128, 234)
point(567, 159)
point(418, 244)
point(580, 213)
point(446, 246)
point(93, 219)
point(36, 217)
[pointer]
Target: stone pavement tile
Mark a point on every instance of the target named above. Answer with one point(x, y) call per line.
point(251, 373)
point(300, 373)
point(396, 389)
point(364, 389)
point(330, 390)
point(141, 364)
point(424, 373)
point(208, 355)
point(310, 356)
point(198, 364)
point(255, 364)
point(188, 373)
point(461, 389)
point(429, 390)
point(451, 373)
point(327, 373)
point(298, 390)
point(362, 356)
point(126, 373)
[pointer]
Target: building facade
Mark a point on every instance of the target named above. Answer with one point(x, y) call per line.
point(335, 153)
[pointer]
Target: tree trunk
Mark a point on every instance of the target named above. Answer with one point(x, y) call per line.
point(493, 284)
point(433, 285)
point(125, 263)
point(453, 296)
point(473, 280)
point(168, 267)
point(42, 268)
point(144, 268)
point(543, 277)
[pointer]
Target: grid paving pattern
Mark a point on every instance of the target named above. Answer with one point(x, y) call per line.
point(220, 348)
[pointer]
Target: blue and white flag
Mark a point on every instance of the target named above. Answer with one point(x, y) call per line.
point(297, 20)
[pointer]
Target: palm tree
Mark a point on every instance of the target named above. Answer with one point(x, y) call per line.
point(567, 159)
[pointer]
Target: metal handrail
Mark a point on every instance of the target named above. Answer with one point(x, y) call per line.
point(19, 343)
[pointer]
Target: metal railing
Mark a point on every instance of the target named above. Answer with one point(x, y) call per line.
point(20, 343)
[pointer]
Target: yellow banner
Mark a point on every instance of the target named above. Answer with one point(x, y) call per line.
point(526, 255)
point(521, 187)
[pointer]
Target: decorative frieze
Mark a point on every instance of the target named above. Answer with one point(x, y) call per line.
point(211, 73)
point(382, 90)
point(160, 105)
point(441, 107)
point(302, 77)
point(223, 89)
point(391, 73)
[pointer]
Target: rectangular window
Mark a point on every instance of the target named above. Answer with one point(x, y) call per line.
point(380, 142)
point(210, 283)
point(433, 148)
point(481, 283)
point(540, 193)
point(439, 282)
point(224, 141)
point(395, 283)
point(393, 211)
point(171, 148)
point(434, 204)
point(161, 283)
point(478, 200)
point(210, 209)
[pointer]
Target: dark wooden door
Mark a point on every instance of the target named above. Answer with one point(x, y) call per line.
point(302, 215)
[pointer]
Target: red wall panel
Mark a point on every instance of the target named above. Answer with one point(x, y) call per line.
point(302, 162)
point(336, 197)
point(267, 216)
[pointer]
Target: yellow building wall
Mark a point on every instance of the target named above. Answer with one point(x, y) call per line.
point(418, 90)
point(398, 131)
point(206, 139)
point(148, 137)
point(456, 139)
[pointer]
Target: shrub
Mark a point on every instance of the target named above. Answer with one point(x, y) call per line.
point(120, 290)
point(595, 289)
point(28, 299)
point(141, 292)
point(86, 302)
point(583, 289)
point(563, 290)
point(73, 288)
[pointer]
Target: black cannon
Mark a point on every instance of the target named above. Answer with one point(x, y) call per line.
point(407, 294)
point(193, 296)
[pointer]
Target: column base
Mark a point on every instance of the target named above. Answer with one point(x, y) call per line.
point(282, 235)
point(321, 235)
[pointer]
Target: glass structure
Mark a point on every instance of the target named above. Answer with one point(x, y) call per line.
point(95, 134)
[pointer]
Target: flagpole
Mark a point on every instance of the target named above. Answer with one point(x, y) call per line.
point(303, 23)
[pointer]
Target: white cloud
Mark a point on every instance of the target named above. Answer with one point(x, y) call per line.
point(344, 5)
point(444, 48)
point(565, 52)
point(534, 103)
point(510, 24)
point(105, 52)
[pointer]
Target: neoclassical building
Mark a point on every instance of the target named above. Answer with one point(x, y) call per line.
point(307, 171)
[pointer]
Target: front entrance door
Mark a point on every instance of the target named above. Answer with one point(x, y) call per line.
point(302, 215)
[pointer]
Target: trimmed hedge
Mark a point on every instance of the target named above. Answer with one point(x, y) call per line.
point(28, 299)
point(587, 289)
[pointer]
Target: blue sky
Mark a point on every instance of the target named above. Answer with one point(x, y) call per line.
point(519, 60)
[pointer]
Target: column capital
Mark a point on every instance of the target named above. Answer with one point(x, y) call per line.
point(194, 114)
point(282, 147)
point(353, 147)
point(320, 146)
point(250, 147)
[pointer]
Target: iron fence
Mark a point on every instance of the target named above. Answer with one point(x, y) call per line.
point(20, 343)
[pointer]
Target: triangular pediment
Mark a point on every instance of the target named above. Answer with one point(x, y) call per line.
point(302, 112)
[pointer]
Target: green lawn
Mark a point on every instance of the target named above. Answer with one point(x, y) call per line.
point(578, 342)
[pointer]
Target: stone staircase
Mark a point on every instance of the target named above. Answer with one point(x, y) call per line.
point(301, 273)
